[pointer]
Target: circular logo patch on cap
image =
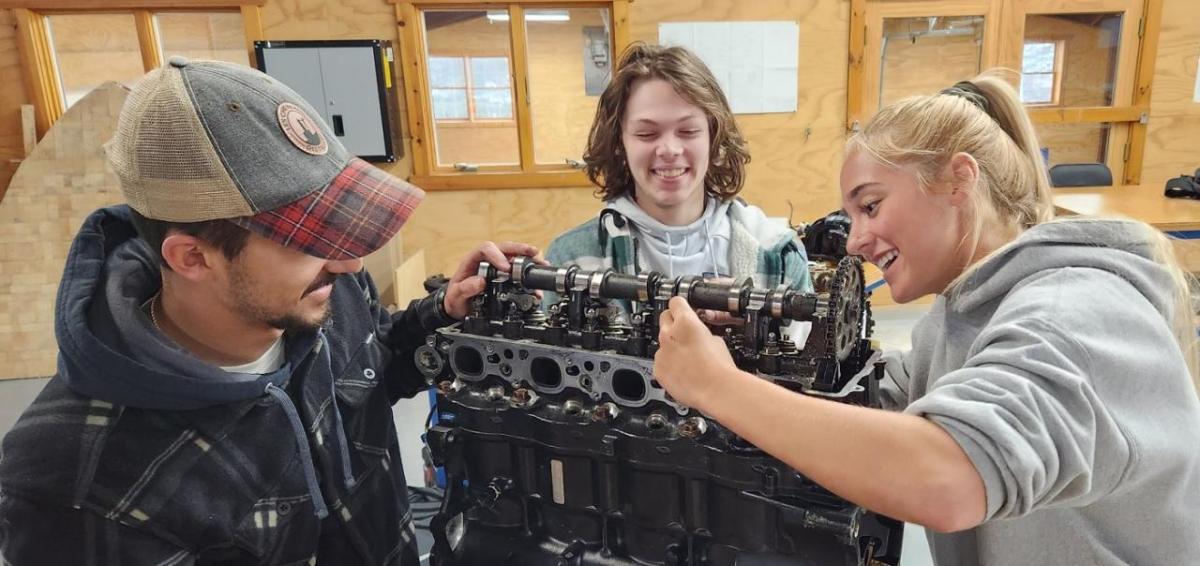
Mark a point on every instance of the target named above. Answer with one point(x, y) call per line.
point(301, 130)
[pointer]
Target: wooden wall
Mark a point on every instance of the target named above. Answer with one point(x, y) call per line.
point(795, 155)
point(1173, 135)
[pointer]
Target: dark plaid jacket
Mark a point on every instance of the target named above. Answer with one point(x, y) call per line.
point(89, 477)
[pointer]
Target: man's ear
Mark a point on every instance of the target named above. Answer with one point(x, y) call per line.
point(188, 256)
point(963, 175)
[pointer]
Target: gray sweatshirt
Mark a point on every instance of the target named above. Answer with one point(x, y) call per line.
point(1055, 368)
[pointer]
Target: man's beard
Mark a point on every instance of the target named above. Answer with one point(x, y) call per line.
point(287, 321)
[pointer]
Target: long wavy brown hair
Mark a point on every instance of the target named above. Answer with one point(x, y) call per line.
point(607, 166)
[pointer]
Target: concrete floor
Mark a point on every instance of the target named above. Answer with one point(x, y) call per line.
point(892, 327)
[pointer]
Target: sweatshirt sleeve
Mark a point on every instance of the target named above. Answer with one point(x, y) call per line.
point(1041, 410)
point(894, 388)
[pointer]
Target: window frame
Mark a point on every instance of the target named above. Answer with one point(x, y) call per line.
point(469, 88)
point(427, 173)
point(1056, 73)
point(38, 64)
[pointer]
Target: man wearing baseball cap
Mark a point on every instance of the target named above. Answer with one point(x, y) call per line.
point(226, 372)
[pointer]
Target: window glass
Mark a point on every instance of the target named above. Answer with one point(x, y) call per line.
point(470, 77)
point(570, 63)
point(203, 35)
point(92, 49)
point(1087, 63)
point(925, 54)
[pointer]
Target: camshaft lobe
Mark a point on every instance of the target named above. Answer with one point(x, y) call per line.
point(736, 298)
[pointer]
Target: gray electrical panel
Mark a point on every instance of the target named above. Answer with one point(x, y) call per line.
point(347, 81)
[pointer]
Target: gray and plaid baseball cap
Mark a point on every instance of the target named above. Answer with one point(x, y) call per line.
point(206, 140)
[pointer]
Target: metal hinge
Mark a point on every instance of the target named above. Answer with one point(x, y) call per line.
point(1141, 27)
point(1128, 150)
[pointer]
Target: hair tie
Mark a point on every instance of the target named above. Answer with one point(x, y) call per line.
point(968, 91)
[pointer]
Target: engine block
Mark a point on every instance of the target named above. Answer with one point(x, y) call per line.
point(560, 448)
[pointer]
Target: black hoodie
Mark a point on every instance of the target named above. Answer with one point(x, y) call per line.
point(137, 452)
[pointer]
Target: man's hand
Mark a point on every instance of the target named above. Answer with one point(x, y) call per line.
point(690, 360)
point(466, 282)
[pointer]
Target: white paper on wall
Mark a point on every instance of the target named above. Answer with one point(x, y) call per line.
point(756, 63)
point(1196, 93)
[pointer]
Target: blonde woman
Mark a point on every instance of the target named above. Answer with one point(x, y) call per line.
point(1046, 413)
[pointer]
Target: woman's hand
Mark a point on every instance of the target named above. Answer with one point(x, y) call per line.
point(690, 362)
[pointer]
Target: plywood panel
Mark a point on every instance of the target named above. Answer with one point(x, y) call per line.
point(60, 183)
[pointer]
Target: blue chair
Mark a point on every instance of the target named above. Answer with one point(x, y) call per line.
point(1080, 175)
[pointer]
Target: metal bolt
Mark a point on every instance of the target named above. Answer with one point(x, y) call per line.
point(604, 412)
point(521, 397)
point(449, 387)
point(495, 393)
point(693, 427)
point(656, 421)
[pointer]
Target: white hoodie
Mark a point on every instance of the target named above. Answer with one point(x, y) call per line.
point(699, 248)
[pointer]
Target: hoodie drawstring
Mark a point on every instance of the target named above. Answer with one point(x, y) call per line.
point(339, 430)
point(670, 255)
point(310, 474)
point(343, 443)
point(712, 255)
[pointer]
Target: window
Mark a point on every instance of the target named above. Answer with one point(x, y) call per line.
point(64, 56)
point(203, 35)
point(84, 61)
point(1084, 68)
point(470, 88)
point(1041, 72)
point(504, 98)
